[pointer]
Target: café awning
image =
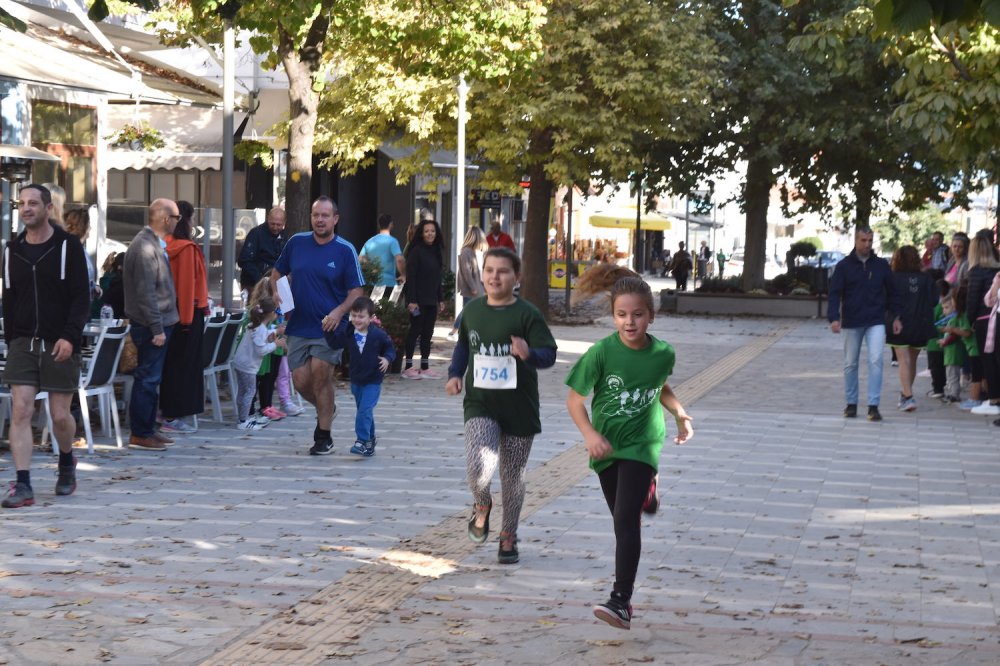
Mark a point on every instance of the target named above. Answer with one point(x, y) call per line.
point(625, 219)
point(26, 153)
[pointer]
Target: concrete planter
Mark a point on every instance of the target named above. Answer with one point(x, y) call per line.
point(684, 302)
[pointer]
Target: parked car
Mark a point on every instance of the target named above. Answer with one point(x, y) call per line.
point(734, 266)
point(826, 258)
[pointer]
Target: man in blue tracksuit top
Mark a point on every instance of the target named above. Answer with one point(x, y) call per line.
point(861, 291)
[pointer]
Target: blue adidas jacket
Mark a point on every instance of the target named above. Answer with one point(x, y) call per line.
point(861, 292)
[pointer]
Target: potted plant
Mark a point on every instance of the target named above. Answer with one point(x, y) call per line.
point(394, 318)
point(137, 136)
point(251, 149)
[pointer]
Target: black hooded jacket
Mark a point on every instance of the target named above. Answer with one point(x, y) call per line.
point(49, 297)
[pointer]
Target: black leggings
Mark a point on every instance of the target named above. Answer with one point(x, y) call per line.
point(421, 326)
point(265, 383)
point(990, 361)
point(626, 484)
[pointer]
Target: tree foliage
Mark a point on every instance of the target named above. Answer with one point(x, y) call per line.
point(764, 115)
point(856, 142)
point(912, 228)
point(612, 78)
point(331, 43)
point(905, 16)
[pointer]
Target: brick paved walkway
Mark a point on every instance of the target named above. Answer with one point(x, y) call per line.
point(787, 535)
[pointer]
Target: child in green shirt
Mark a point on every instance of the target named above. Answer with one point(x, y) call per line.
point(627, 373)
point(962, 346)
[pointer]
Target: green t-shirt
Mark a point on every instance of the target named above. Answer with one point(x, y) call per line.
point(487, 330)
point(626, 384)
point(932, 344)
point(957, 351)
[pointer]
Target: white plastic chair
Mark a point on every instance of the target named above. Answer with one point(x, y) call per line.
point(97, 379)
point(221, 361)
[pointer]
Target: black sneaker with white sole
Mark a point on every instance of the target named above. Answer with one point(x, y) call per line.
point(322, 447)
point(616, 611)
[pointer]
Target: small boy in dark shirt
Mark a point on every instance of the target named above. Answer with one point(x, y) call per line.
point(371, 351)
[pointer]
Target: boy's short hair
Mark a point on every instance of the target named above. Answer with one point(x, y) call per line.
point(363, 304)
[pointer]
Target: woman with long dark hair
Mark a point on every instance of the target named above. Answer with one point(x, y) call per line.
point(917, 295)
point(182, 388)
point(424, 265)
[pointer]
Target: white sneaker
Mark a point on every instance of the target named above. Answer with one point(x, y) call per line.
point(411, 373)
point(249, 424)
point(986, 409)
point(291, 409)
point(177, 426)
point(260, 419)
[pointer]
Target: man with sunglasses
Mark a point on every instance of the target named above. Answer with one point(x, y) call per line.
point(151, 306)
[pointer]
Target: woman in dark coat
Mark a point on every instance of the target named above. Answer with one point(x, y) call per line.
point(182, 387)
point(424, 296)
point(917, 295)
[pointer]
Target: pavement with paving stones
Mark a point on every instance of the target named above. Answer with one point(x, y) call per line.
point(787, 535)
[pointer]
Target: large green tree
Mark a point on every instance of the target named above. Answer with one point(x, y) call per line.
point(318, 43)
point(763, 116)
point(859, 158)
point(947, 54)
point(614, 76)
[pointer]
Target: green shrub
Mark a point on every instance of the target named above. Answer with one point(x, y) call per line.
point(715, 285)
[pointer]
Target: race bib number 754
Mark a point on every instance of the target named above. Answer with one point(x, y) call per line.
point(494, 372)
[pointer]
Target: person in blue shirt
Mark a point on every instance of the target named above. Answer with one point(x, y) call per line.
point(384, 247)
point(861, 291)
point(371, 351)
point(325, 280)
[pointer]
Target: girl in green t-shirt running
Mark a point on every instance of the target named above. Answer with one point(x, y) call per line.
point(502, 342)
point(627, 373)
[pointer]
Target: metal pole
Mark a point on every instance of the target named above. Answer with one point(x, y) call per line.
point(460, 199)
point(638, 259)
point(228, 225)
point(569, 250)
point(687, 223)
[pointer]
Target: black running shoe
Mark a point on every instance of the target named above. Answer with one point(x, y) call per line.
point(66, 482)
point(616, 611)
point(850, 411)
point(20, 495)
point(508, 555)
point(323, 447)
point(873, 413)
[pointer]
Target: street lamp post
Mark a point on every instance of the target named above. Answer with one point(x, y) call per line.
point(228, 226)
point(460, 200)
point(638, 226)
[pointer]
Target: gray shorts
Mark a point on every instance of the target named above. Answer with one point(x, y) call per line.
point(28, 365)
point(300, 349)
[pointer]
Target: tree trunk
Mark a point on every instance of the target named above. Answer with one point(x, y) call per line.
point(864, 194)
point(302, 105)
point(535, 261)
point(756, 197)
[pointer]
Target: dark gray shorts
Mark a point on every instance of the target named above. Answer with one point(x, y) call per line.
point(28, 365)
point(300, 349)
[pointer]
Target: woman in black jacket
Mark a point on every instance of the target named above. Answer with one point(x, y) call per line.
point(917, 296)
point(424, 296)
point(982, 267)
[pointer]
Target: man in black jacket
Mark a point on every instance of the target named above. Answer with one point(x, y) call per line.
point(46, 300)
point(262, 248)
